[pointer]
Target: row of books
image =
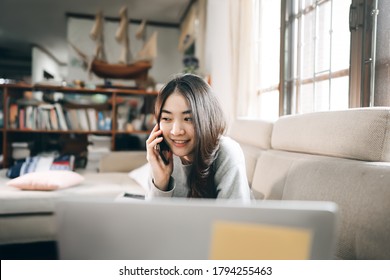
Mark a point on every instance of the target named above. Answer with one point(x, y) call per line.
point(55, 117)
point(41, 162)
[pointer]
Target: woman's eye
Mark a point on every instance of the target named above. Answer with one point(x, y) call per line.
point(188, 119)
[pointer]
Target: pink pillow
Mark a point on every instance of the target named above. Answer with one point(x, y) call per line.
point(46, 180)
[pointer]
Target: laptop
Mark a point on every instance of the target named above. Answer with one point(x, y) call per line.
point(197, 229)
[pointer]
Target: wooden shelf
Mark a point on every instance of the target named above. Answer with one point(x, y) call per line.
point(16, 130)
point(79, 90)
point(12, 92)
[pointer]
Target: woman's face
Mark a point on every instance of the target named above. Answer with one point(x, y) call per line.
point(177, 126)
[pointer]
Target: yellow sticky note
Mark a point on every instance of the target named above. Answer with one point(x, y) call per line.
point(242, 241)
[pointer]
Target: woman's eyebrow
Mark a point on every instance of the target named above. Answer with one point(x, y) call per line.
point(186, 112)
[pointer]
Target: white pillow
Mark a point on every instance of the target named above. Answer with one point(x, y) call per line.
point(46, 180)
point(141, 175)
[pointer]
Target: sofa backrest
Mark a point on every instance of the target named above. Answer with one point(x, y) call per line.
point(362, 134)
point(254, 137)
point(250, 132)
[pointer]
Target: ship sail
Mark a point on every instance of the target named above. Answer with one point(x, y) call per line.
point(140, 34)
point(149, 50)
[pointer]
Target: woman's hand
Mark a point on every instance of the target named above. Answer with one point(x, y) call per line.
point(160, 171)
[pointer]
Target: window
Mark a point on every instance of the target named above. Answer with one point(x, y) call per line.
point(267, 48)
point(317, 44)
point(309, 70)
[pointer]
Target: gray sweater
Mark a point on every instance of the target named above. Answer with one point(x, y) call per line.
point(230, 175)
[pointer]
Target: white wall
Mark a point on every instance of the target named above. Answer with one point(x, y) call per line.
point(217, 54)
point(167, 63)
point(42, 61)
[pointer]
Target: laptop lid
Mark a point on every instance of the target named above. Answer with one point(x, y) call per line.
point(195, 229)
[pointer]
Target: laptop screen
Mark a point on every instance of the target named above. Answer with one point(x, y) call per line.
point(199, 229)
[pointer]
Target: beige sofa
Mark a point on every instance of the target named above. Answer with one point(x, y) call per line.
point(341, 156)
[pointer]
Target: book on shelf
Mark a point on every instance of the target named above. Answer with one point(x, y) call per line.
point(73, 119)
point(61, 117)
point(21, 118)
point(45, 117)
point(13, 115)
point(104, 120)
point(67, 119)
point(29, 117)
point(83, 119)
point(53, 119)
point(1, 118)
point(92, 119)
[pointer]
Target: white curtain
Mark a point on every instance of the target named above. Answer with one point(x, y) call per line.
point(188, 29)
point(193, 29)
point(201, 34)
point(241, 38)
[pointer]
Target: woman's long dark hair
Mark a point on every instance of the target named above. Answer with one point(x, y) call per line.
point(209, 124)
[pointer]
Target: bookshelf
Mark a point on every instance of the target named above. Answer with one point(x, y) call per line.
point(67, 116)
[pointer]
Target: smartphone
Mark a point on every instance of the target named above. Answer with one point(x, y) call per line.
point(132, 195)
point(163, 147)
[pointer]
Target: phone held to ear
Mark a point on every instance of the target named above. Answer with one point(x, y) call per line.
point(163, 147)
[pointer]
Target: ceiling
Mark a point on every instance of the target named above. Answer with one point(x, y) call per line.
point(24, 23)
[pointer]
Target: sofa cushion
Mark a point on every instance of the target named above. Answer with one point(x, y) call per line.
point(362, 134)
point(251, 155)
point(360, 189)
point(270, 175)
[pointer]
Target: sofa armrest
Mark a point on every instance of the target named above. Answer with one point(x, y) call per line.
point(122, 161)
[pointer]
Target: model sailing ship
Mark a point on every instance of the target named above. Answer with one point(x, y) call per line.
point(127, 68)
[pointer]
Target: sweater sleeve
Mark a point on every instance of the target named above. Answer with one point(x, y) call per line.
point(153, 191)
point(230, 172)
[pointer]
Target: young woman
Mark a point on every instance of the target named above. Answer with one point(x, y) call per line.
point(187, 152)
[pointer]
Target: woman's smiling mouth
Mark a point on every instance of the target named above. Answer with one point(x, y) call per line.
point(179, 143)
